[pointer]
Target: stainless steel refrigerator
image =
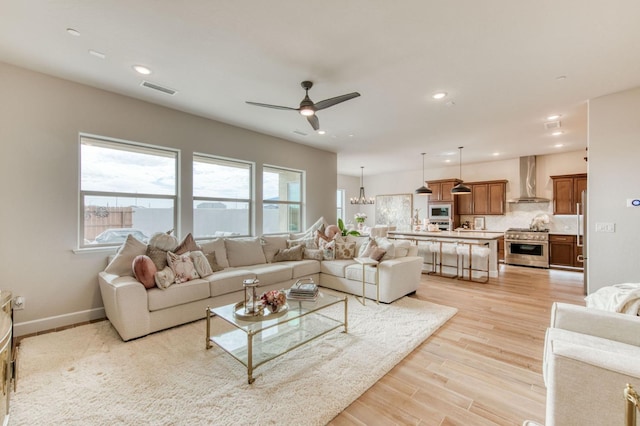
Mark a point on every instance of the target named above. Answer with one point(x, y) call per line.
point(582, 235)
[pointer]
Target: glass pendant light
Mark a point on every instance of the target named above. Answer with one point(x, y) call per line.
point(423, 190)
point(460, 188)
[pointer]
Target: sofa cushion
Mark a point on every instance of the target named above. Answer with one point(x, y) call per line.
point(201, 263)
point(293, 253)
point(354, 272)
point(244, 251)
point(271, 273)
point(228, 281)
point(178, 294)
point(335, 267)
point(121, 264)
point(313, 254)
point(182, 266)
point(303, 268)
point(144, 270)
point(216, 246)
point(271, 244)
point(187, 245)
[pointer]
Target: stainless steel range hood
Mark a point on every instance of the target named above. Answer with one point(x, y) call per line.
point(528, 182)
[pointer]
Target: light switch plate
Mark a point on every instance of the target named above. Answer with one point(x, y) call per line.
point(605, 227)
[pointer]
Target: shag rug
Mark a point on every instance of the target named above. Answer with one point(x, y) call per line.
point(88, 376)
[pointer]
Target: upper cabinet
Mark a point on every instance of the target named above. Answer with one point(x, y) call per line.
point(567, 190)
point(486, 198)
point(442, 189)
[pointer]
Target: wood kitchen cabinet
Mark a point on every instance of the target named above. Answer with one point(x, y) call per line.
point(486, 198)
point(563, 251)
point(501, 249)
point(442, 189)
point(567, 190)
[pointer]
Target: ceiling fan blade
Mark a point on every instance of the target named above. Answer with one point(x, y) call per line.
point(313, 120)
point(271, 106)
point(332, 101)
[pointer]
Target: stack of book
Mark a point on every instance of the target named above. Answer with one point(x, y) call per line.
point(303, 290)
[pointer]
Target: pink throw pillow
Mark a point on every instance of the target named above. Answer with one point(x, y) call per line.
point(144, 270)
point(331, 231)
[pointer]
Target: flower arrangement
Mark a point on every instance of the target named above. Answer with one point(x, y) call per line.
point(360, 217)
point(274, 299)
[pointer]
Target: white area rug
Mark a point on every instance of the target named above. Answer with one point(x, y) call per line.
point(88, 376)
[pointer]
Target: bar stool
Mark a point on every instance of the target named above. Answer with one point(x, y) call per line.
point(469, 251)
point(440, 249)
point(427, 249)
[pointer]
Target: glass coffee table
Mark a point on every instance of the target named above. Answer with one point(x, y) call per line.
point(255, 342)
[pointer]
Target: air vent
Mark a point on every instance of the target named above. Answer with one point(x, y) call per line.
point(298, 132)
point(158, 88)
point(550, 125)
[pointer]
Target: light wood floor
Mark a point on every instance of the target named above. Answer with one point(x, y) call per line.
point(483, 367)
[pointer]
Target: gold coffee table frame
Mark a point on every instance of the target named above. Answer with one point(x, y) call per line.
point(254, 343)
point(364, 261)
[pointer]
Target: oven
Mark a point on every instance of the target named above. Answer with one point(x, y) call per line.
point(526, 247)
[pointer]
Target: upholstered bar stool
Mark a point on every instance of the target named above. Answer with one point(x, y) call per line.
point(442, 249)
point(428, 250)
point(467, 252)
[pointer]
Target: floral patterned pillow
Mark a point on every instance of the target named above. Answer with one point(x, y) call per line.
point(182, 266)
point(345, 250)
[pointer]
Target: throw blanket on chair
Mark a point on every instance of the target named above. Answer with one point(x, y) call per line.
point(623, 298)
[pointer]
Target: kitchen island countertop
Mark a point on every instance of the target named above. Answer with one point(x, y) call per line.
point(466, 234)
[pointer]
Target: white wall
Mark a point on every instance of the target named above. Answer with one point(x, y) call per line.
point(518, 215)
point(40, 118)
point(614, 176)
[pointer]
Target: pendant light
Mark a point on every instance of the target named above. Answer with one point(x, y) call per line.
point(362, 199)
point(460, 188)
point(423, 190)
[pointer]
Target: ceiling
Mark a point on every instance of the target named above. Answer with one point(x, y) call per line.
point(505, 65)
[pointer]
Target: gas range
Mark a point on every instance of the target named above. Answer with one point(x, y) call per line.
point(523, 234)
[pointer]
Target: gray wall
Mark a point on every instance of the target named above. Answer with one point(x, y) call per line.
point(40, 118)
point(614, 177)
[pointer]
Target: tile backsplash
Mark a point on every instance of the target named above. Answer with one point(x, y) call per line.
point(521, 215)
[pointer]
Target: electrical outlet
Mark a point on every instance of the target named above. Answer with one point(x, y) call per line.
point(605, 227)
point(19, 302)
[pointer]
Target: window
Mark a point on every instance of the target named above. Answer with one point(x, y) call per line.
point(281, 200)
point(340, 204)
point(221, 197)
point(125, 188)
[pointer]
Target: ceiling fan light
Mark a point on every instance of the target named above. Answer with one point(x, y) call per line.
point(307, 111)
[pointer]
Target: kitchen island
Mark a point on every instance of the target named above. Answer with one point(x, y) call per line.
point(423, 238)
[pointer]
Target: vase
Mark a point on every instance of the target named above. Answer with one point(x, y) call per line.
point(360, 226)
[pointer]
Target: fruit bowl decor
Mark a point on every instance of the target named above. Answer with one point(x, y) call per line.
point(273, 300)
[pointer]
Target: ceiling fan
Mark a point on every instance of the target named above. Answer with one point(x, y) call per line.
point(308, 108)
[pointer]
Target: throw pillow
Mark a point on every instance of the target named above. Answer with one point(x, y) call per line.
point(387, 245)
point(328, 250)
point(187, 245)
point(244, 251)
point(311, 230)
point(402, 248)
point(271, 244)
point(368, 249)
point(157, 256)
point(121, 264)
point(313, 254)
point(164, 241)
point(365, 246)
point(331, 230)
point(164, 278)
point(293, 243)
point(182, 267)
point(213, 262)
point(201, 263)
point(345, 250)
point(294, 253)
point(377, 254)
point(216, 246)
point(144, 270)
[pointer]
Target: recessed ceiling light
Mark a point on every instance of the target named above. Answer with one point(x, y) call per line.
point(439, 95)
point(97, 54)
point(321, 132)
point(557, 133)
point(495, 154)
point(561, 77)
point(553, 117)
point(558, 145)
point(141, 69)
point(73, 32)
point(447, 160)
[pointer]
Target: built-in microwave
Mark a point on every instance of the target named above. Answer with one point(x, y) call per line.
point(440, 211)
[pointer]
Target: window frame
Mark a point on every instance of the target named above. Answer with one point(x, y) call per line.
point(300, 204)
point(251, 166)
point(113, 143)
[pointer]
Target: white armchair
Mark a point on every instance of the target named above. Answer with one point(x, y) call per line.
point(590, 356)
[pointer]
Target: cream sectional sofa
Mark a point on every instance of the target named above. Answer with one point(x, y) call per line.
point(136, 311)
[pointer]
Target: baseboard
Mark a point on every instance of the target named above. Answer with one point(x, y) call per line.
point(52, 323)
